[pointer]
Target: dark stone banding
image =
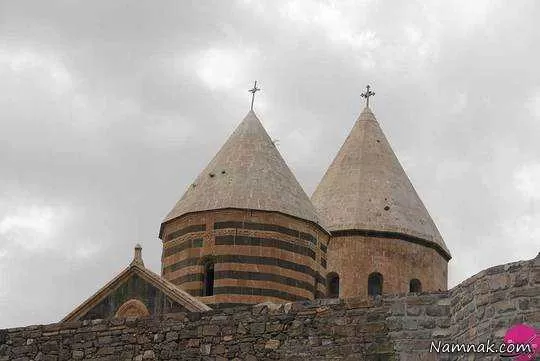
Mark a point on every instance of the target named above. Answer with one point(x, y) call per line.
point(254, 291)
point(270, 261)
point(190, 243)
point(393, 235)
point(266, 227)
point(244, 275)
point(185, 230)
point(192, 277)
point(264, 242)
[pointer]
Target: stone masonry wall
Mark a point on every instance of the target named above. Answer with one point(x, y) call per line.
point(258, 256)
point(355, 257)
point(394, 327)
point(485, 305)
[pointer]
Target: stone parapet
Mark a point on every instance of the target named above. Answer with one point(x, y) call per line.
point(392, 327)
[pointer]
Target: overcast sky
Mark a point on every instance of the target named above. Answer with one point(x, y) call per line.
point(109, 109)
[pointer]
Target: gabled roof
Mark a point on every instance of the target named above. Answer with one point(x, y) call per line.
point(365, 188)
point(248, 172)
point(137, 268)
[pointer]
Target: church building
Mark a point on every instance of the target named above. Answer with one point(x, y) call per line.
point(245, 232)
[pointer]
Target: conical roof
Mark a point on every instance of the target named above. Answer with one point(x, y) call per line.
point(248, 172)
point(365, 188)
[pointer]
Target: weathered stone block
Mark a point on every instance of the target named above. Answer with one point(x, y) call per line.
point(257, 328)
point(205, 349)
point(149, 355)
point(272, 344)
point(210, 330)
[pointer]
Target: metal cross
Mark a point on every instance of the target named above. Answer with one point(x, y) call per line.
point(253, 91)
point(367, 94)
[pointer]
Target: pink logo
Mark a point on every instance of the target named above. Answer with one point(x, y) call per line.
point(522, 342)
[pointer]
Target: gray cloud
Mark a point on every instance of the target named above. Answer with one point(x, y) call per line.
point(109, 110)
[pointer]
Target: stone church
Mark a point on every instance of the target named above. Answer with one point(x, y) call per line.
point(254, 269)
point(245, 232)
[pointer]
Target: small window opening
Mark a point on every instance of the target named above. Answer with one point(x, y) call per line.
point(333, 285)
point(208, 279)
point(375, 284)
point(415, 286)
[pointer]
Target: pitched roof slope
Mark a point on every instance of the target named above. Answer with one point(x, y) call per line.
point(137, 267)
point(366, 188)
point(248, 172)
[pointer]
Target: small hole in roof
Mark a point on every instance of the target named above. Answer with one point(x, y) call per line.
point(378, 141)
point(211, 175)
point(386, 208)
point(223, 172)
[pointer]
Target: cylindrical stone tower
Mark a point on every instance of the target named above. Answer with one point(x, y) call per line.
point(383, 239)
point(245, 232)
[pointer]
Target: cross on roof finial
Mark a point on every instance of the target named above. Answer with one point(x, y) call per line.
point(253, 91)
point(137, 258)
point(368, 93)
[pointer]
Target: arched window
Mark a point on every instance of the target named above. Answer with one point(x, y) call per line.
point(415, 286)
point(375, 284)
point(332, 285)
point(132, 308)
point(208, 278)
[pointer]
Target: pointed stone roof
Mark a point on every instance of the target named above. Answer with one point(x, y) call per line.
point(137, 267)
point(248, 172)
point(366, 189)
